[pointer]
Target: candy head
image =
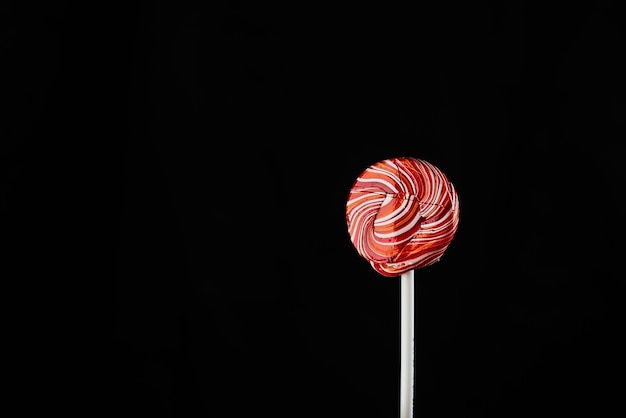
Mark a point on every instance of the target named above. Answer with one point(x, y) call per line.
point(402, 214)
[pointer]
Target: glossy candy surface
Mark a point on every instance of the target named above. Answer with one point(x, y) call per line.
point(402, 214)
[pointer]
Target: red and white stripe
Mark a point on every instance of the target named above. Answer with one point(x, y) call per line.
point(402, 214)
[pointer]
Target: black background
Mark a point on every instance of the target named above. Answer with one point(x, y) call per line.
point(174, 179)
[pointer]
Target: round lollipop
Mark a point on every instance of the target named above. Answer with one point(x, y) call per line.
point(402, 214)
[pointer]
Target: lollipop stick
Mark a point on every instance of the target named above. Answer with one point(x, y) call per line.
point(407, 344)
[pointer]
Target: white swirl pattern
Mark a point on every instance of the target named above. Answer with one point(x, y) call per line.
point(402, 214)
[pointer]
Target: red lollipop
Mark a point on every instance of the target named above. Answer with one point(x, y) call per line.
point(402, 214)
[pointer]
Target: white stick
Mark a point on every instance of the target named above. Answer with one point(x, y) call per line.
point(407, 343)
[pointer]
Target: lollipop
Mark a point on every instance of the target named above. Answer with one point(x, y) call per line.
point(402, 214)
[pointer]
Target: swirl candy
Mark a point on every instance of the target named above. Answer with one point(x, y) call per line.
point(402, 214)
